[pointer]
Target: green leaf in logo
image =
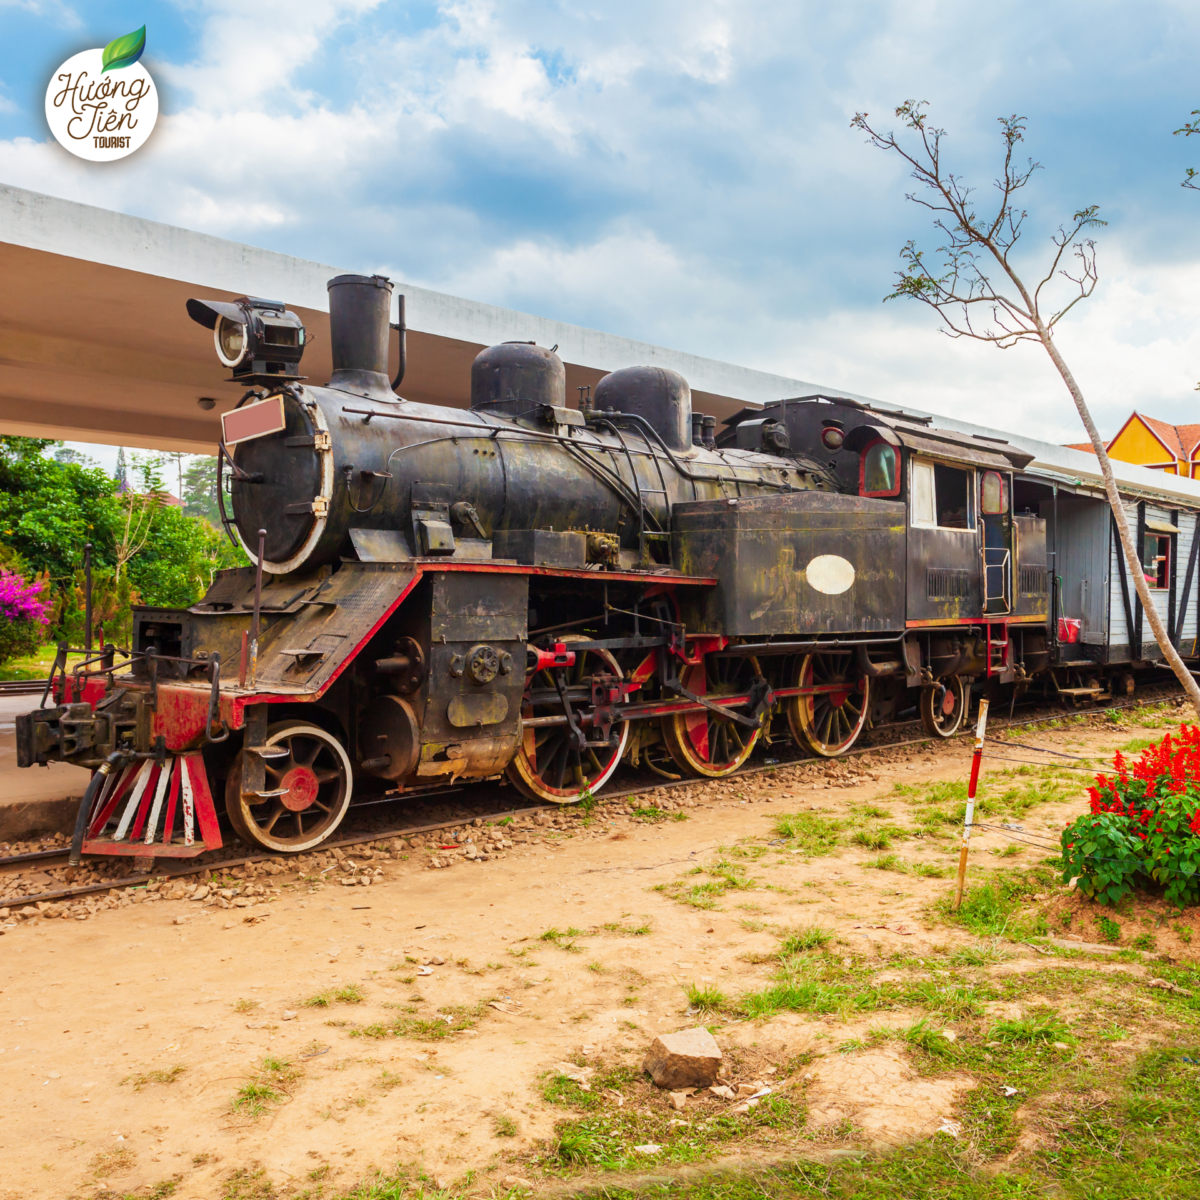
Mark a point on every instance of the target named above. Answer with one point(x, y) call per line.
point(124, 51)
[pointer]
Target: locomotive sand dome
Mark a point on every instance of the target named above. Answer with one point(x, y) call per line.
point(527, 589)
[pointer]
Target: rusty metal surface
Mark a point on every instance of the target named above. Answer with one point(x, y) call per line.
point(761, 551)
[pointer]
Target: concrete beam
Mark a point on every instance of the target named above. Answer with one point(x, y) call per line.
point(95, 344)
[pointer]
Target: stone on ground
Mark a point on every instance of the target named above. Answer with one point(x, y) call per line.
point(689, 1058)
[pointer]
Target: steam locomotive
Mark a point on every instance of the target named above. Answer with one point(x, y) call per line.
point(537, 591)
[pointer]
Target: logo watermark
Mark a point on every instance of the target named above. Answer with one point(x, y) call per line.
point(102, 104)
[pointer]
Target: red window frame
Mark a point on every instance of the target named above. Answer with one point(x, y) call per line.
point(1005, 491)
point(862, 469)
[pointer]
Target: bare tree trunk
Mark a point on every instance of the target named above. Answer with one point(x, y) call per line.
point(1133, 561)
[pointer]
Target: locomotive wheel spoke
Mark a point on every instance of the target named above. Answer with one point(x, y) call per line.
point(828, 723)
point(317, 798)
point(710, 745)
point(548, 764)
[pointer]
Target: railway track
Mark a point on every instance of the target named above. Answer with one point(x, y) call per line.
point(23, 687)
point(191, 867)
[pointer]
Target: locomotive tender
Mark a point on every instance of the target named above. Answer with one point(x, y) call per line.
point(538, 591)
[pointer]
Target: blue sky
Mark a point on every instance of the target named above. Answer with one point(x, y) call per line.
point(680, 171)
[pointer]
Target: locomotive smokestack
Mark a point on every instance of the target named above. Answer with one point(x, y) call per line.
point(359, 316)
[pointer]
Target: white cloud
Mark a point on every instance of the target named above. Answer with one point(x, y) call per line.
point(684, 172)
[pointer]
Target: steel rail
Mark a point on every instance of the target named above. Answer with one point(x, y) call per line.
point(193, 868)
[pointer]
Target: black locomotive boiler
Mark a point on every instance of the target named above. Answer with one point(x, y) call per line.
point(528, 589)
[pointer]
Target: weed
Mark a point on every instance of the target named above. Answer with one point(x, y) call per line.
point(877, 837)
point(148, 1077)
point(1043, 1029)
point(450, 1019)
point(563, 939)
point(809, 833)
point(504, 1126)
point(1000, 907)
point(245, 1006)
point(1110, 931)
point(922, 1035)
point(349, 993)
point(628, 930)
point(1144, 941)
point(596, 965)
point(388, 1080)
point(252, 1098)
point(811, 938)
point(981, 955)
point(270, 1086)
point(110, 1162)
point(893, 862)
point(650, 815)
point(680, 816)
point(1183, 932)
point(753, 926)
point(706, 998)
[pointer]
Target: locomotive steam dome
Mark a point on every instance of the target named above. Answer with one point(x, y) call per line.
point(660, 397)
point(514, 377)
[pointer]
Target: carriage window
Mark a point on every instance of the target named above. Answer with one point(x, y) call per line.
point(1156, 560)
point(879, 475)
point(993, 494)
point(941, 496)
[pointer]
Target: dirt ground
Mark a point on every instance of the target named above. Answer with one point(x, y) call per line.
point(297, 1029)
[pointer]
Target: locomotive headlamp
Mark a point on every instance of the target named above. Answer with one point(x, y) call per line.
point(259, 340)
point(832, 437)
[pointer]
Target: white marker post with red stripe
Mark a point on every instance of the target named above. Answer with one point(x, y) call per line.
point(969, 819)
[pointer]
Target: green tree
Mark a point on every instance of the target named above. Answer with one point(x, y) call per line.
point(199, 494)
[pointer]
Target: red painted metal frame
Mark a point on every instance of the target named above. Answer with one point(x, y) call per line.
point(133, 845)
point(862, 470)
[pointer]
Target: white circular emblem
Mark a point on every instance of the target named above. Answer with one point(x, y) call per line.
point(100, 109)
point(829, 573)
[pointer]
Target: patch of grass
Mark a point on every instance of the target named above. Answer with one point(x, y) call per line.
point(1110, 931)
point(706, 998)
point(349, 993)
point(504, 1126)
point(1001, 907)
point(245, 1006)
point(680, 816)
point(564, 939)
point(810, 833)
point(723, 876)
point(111, 1162)
point(271, 1085)
point(982, 955)
point(448, 1020)
point(1041, 1029)
point(893, 862)
point(878, 837)
point(627, 930)
point(923, 1036)
point(249, 1183)
point(650, 814)
point(596, 966)
point(811, 938)
point(161, 1076)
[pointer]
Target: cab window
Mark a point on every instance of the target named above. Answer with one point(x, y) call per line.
point(880, 473)
point(940, 497)
point(993, 494)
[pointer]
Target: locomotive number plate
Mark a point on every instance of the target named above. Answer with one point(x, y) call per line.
point(253, 421)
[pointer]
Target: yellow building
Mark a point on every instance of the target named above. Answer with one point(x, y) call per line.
point(1149, 442)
